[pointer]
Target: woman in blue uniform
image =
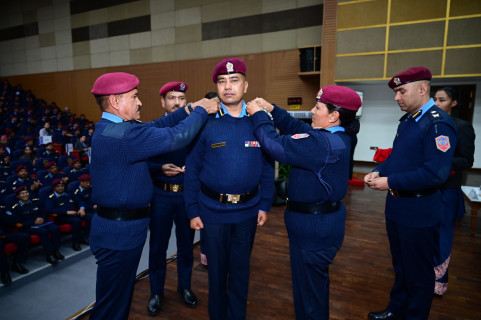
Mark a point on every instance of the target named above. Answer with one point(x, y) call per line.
point(318, 180)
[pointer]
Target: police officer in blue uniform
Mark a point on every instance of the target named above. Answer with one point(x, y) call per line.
point(83, 198)
point(419, 163)
point(27, 213)
point(167, 206)
point(229, 184)
point(67, 211)
point(319, 155)
point(122, 186)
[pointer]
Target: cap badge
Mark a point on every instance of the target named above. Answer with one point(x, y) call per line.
point(182, 86)
point(319, 95)
point(229, 66)
point(397, 81)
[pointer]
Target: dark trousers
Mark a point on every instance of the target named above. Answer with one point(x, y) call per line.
point(116, 272)
point(49, 237)
point(228, 248)
point(310, 281)
point(22, 240)
point(412, 251)
point(75, 222)
point(162, 215)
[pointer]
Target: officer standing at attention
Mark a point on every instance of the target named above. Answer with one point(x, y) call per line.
point(319, 155)
point(167, 206)
point(123, 187)
point(228, 191)
point(419, 163)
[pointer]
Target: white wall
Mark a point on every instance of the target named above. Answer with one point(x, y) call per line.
point(380, 117)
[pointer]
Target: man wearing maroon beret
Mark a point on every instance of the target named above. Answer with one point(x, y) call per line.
point(418, 165)
point(228, 190)
point(23, 179)
point(122, 186)
point(166, 207)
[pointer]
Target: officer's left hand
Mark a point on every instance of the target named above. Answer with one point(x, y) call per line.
point(261, 218)
point(171, 170)
point(196, 223)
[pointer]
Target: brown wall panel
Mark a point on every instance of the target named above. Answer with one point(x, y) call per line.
point(413, 10)
point(430, 34)
point(464, 7)
point(463, 61)
point(464, 31)
point(366, 13)
point(397, 62)
point(360, 67)
point(363, 40)
point(270, 75)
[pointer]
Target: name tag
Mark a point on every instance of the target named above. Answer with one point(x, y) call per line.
point(217, 145)
point(252, 144)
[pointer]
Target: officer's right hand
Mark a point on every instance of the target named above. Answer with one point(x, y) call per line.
point(371, 176)
point(210, 105)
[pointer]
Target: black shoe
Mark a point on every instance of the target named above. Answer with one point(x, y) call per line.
point(6, 279)
point(76, 246)
point(18, 268)
point(189, 297)
point(155, 304)
point(57, 255)
point(85, 240)
point(382, 315)
point(51, 260)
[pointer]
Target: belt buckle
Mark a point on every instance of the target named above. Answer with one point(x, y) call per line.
point(394, 193)
point(174, 187)
point(233, 198)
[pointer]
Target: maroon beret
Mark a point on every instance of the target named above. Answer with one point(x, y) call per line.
point(56, 181)
point(49, 164)
point(410, 75)
point(114, 83)
point(339, 96)
point(228, 66)
point(20, 167)
point(21, 188)
point(173, 86)
point(84, 177)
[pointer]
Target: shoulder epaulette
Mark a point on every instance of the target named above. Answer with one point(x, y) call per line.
point(52, 195)
point(15, 205)
point(76, 191)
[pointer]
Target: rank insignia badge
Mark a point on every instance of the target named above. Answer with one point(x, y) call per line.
point(442, 143)
point(182, 86)
point(397, 81)
point(252, 144)
point(300, 136)
point(229, 66)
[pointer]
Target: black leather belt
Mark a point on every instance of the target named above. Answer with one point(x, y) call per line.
point(168, 186)
point(123, 214)
point(228, 197)
point(412, 194)
point(313, 208)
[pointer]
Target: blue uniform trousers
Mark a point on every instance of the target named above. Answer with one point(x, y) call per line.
point(49, 237)
point(75, 222)
point(412, 251)
point(116, 272)
point(162, 215)
point(228, 248)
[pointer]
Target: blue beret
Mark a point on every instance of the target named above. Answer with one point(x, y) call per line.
point(173, 86)
point(114, 83)
point(228, 66)
point(410, 75)
point(339, 96)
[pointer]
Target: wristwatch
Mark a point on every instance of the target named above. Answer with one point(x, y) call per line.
point(189, 107)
